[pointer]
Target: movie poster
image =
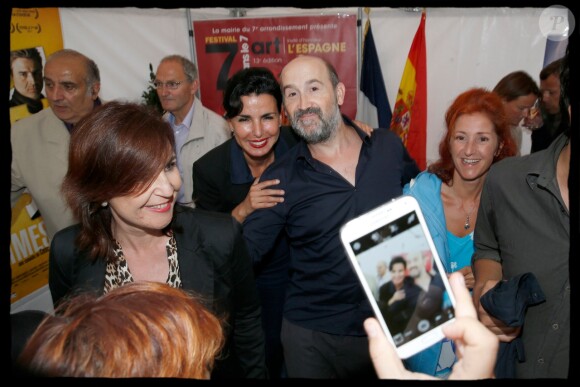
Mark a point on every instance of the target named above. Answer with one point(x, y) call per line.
point(35, 33)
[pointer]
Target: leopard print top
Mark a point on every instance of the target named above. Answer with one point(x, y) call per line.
point(118, 272)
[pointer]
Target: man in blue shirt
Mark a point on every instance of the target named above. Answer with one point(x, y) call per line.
point(197, 128)
point(335, 173)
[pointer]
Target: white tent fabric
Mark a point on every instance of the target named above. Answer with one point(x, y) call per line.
point(466, 47)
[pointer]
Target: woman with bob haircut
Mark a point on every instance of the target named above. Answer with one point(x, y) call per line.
point(121, 185)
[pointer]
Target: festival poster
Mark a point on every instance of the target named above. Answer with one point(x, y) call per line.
point(34, 33)
point(226, 46)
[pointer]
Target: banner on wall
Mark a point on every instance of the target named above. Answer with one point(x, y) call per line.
point(35, 33)
point(226, 46)
point(29, 248)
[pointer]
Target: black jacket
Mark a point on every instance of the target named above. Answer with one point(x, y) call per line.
point(213, 262)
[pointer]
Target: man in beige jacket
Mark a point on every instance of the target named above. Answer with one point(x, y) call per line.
point(197, 129)
point(40, 142)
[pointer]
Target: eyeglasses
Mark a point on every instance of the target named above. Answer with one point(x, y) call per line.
point(171, 85)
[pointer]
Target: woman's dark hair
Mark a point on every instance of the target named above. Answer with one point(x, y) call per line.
point(248, 81)
point(397, 259)
point(117, 150)
point(475, 100)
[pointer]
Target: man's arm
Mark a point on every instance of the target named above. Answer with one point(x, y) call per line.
point(262, 229)
point(487, 274)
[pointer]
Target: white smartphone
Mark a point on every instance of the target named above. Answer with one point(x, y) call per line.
point(413, 299)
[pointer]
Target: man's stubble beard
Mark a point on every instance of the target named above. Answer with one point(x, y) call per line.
point(324, 129)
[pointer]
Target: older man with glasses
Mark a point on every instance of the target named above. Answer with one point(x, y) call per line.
point(197, 129)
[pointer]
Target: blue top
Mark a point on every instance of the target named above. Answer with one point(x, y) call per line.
point(324, 293)
point(461, 249)
point(426, 188)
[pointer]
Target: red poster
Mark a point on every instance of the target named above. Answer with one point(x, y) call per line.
point(226, 46)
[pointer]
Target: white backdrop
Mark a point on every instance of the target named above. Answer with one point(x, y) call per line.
point(466, 47)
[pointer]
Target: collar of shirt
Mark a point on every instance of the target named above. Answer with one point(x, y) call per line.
point(182, 129)
point(542, 169)
point(241, 173)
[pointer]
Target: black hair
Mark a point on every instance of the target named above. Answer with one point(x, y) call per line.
point(251, 80)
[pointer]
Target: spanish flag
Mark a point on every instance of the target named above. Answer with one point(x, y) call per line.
point(410, 111)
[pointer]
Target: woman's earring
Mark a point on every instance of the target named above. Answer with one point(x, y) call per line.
point(104, 204)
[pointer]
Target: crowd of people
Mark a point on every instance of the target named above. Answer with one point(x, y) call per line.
point(192, 245)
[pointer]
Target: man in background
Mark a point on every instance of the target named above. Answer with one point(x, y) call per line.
point(197, 129)
point(40, 142)
point(555, 120)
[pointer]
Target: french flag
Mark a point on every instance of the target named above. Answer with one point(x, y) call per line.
point(374, 108)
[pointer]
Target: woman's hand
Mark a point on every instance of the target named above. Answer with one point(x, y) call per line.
point(259, 196)
point(367, 129)
point(397, 296)
point(467, 276)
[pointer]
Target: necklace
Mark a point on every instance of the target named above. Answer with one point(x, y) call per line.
point(467, 225)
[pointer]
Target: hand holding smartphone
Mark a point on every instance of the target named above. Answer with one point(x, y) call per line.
point(396, 233)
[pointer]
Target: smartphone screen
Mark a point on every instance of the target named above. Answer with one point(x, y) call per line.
point(400, 271)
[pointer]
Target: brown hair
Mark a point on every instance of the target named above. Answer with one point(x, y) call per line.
point(118, 149)
point(553, 68)
point(27, 53)
point(475, 100)
point(516, 84)
point(142, 329)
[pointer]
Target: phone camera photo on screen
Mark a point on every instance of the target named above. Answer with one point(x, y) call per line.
point(401, 274)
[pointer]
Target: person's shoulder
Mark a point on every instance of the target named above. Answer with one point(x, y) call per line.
point(67, 234)
point(514, 165)
point(386, 135)
point(34, 120)
point(425, 182)
point(212, 115)
point(426, 178)
point(187, 216)
point(385, 139)
point(214, 156)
